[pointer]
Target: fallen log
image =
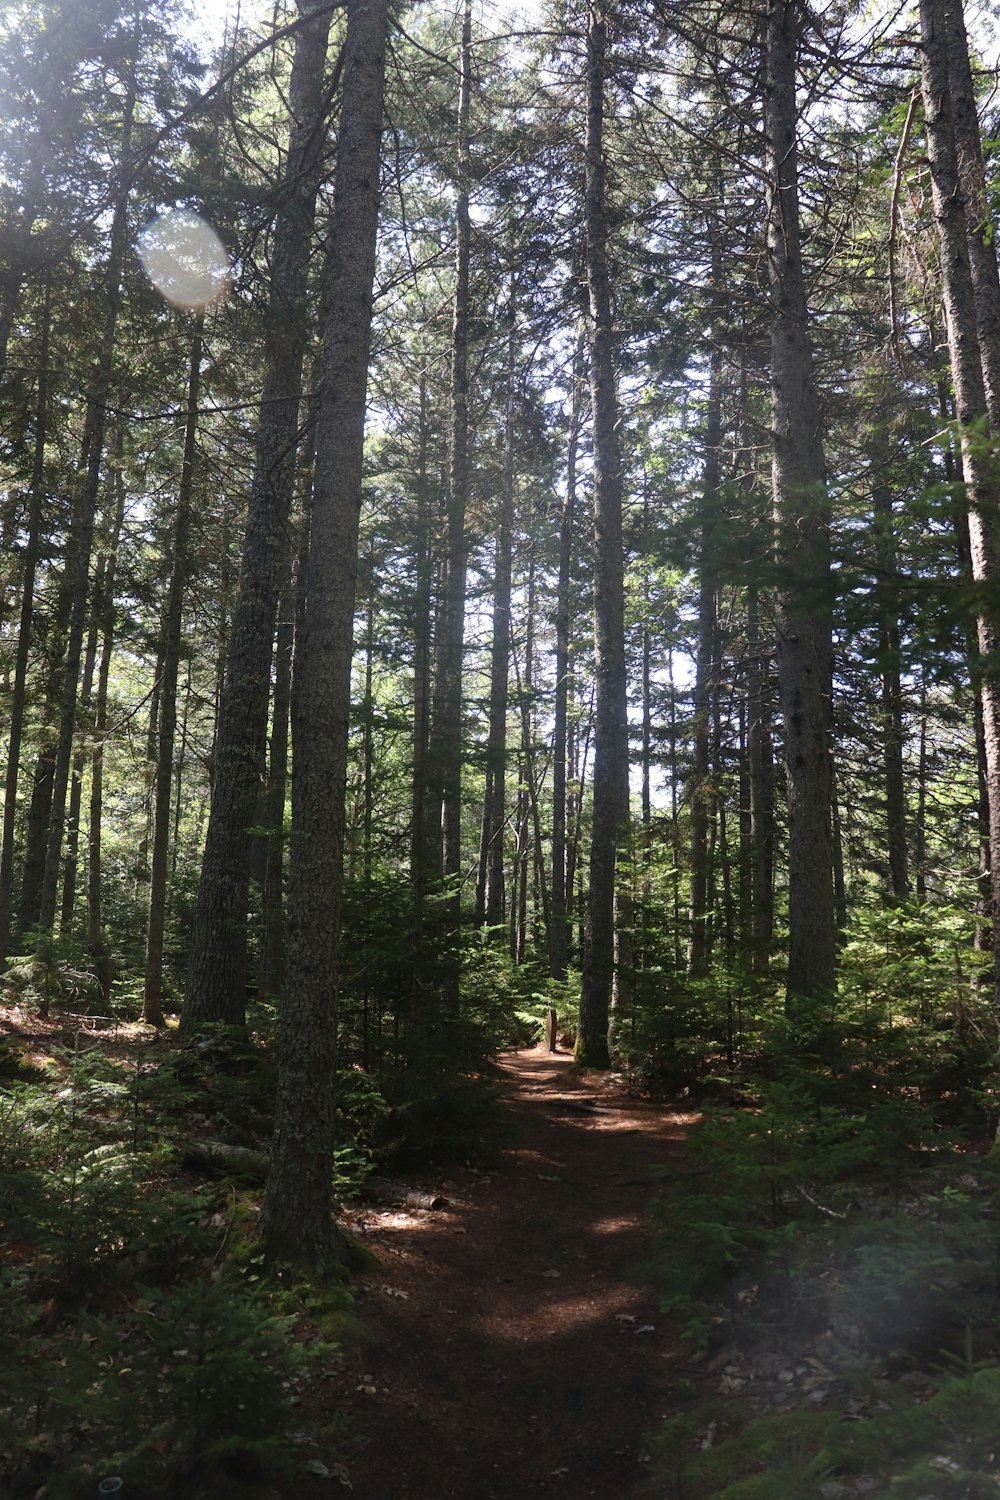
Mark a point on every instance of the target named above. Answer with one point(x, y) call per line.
point(428, 1201)
point(241, 1161)
point(393, 1192)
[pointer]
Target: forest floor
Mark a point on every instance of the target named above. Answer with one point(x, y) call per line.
point(503, 1343)
point(512, 1349)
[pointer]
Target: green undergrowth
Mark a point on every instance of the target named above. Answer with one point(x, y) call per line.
point(186, 1389)
point(842, 1208)
point(142, 1335)
point(944, 1445)
point(150, 1337)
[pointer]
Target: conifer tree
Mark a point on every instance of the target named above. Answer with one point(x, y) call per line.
point(216, 985)
point(298, 1223)
point(610, 779)
point(802, 526)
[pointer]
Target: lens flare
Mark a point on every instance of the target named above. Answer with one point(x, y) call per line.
point(185, 259)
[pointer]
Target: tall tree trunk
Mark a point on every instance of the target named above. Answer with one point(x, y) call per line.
point(920, 832)
point(82, 538)
point(745, 836)
point(580, 759)
point(216, 981)
point(610, 780)
point(839, 862)
point(524, 689)
point(675, 827)
point(891, 698)
point(641, 958)
point(983, 937)
point(574, 796)
point(19, 255)
point(981, 230)
point(142, 853)
point(562, 893)
point(958, 296)
point(272, 957)
point(30, 568)
point(96, 945)
point(422, 810)
point(760, 757)
point(702, 795)
point(524, 840)
point(368, 796)
point(79, 756)
point(445, 754)
point(179, 760)
point(37, 825)
point(40, 804)
point(490, 884)
point(152, 1003)
point(298, 1225)
point(980, 226)
point(801, 511)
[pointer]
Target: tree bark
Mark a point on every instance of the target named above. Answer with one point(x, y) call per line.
point(982, 938)
point(152, 1002)
point(30, 568)
point(979, 224)
point(610, 801)
point(641, 956)
point(801, 511)
point(92, 455)
point(298, 1226)
point(524, 690)
point(422, 809)
point(96, 945)
point(562, 892)
point(891, 698)
point(216, 981)
point(272, 957)
point(445, 753)
point(72, 850)
point(958, 296)
point(705, 685)
point(490, 885)
point(981, 230)
point(920, 831)
point(760, 758)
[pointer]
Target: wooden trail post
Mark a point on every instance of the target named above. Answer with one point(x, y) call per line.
point(550, 1029)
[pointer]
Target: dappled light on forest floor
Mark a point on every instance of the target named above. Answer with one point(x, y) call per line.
point(514, 1350)
point(560, 1315)
point(612, 1226)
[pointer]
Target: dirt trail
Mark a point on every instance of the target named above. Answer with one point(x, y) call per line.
point(510, 1354)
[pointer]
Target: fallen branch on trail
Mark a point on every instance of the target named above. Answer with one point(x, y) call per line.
point(579, 1106)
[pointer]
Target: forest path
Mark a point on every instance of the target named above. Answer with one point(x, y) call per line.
point(510, 1352)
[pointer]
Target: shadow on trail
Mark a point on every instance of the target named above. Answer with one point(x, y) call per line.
point(512, 1353)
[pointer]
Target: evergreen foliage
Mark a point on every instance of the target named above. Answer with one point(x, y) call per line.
point(744, 838)
point(834, 1207)
point(144, 1338)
